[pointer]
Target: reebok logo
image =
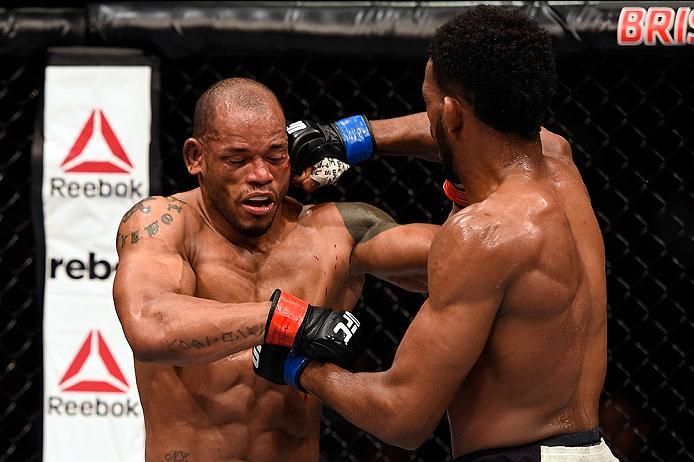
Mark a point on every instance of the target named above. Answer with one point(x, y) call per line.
point(94, 358)
point(256, 355)
point(97, 407)
point(96, 150)
point(90, 268)
point(93, 370)
point(99, 120)
point(295, 127)
point(99, 188)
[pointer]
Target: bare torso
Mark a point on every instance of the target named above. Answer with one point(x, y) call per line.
point(222, 411)
point(542, 369)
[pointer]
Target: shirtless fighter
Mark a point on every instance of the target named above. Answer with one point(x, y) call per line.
point(512, 339)
point(196, 272)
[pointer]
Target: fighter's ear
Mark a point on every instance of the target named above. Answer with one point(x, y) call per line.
point(452, 115)
point(192, 155)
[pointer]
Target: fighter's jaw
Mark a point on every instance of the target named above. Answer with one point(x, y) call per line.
point(253, 225)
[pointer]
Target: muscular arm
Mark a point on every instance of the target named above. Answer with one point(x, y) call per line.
point(395, 253)
point(405, 136)
point(403, 405)
point(410, 135)
point(153, 291)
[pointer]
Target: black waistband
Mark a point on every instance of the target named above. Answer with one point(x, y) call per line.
point(583, 438)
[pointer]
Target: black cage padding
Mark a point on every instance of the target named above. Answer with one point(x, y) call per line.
point(627, 114)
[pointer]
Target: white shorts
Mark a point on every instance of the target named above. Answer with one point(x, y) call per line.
point(597, 453)
point(583, 446)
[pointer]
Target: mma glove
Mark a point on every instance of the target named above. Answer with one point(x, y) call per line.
point(319, 333)
point(456, 193)
point(279, 365)
point(329, 148)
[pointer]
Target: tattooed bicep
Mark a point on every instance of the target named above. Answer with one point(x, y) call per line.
point(364, 221)
point(147, 219)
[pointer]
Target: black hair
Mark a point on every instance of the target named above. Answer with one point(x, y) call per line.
point(501, 62)
point(237, 92)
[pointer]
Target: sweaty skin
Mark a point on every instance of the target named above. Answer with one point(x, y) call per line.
point(192, 292)
point(512, 340)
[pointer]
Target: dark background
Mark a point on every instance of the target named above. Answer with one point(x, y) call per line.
point(630, 121)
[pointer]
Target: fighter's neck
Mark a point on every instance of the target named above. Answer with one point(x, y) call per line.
point(486, 162)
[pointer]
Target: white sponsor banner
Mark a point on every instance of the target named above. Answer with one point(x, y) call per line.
point(97, 130)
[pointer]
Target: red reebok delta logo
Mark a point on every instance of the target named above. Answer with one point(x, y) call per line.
point(97, 117)
point(93, 344)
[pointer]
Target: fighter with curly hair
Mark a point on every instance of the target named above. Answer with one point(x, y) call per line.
point(512, 340)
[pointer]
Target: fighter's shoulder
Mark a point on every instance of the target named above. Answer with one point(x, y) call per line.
point(158, 208)
point(361, 220)
point(150, 216)
point(487, 231)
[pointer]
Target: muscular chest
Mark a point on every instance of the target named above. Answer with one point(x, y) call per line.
point(303, 263)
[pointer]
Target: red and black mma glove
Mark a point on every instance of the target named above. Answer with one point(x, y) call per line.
point(329, 148)
point(312, 333)
point(320, 333)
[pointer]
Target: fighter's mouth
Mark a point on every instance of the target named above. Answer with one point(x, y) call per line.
point(258, 201)
point(258, 204)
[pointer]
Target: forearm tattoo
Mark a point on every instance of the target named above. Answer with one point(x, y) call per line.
point(175, 207)
point(177, 456)
point(225, 337)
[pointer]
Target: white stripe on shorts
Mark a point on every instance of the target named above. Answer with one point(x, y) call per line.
point(597, 453)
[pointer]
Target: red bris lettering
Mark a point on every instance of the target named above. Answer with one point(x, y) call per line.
point(655, 25)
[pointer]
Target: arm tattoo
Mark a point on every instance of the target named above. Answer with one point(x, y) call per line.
point(152, 228)
point(364, 221)
point(141, 206)
point(232, 336)
point(175, 207)
point(177, 456)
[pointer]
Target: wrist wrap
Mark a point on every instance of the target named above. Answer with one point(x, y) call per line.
point(294, 365)
point(455, 194)
point(357, 138)
point(285, 317)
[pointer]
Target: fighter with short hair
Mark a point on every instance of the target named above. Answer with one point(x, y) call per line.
point(512, 340)
point(197, 272)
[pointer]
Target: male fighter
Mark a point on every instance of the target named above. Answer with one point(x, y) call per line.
point(512, 339)
point(196, 271)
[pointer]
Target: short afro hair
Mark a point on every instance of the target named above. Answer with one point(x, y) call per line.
point(501, 62)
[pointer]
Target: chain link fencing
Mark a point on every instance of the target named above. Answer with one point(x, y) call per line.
point(20, 315)
point(629, 121)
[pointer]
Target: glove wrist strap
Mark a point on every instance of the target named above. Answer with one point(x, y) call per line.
point(286, 315)
point(455, 194)
point(357, 138)
point(294, 365)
